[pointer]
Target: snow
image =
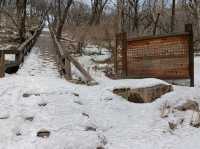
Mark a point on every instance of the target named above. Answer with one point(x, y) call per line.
point(46, 29)
point(92, 49)
point(10, 57)
point(197, 70)
point(71, 109)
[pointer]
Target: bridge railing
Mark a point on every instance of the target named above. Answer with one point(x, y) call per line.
point(65, 59)
point(19, 53)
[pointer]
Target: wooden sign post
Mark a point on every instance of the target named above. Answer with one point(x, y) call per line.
point(188, 28)
point(2, 64)
point(167, 57)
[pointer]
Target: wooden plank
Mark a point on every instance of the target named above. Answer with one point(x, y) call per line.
point(67, 67)
point(124, 54)
point(66, 54)
point(115, 54)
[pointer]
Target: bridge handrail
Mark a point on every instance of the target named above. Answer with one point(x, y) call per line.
point(26, 46)
point(20, 52)
point(66, 58)
point(34, 36)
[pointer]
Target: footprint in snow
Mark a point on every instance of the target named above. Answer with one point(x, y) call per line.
point(4, 116)
point(76, 94)
point(86, 115)
point(90, 128)
point(30, 118)
point(78, 102)
point(43, 104)
point(26, 95)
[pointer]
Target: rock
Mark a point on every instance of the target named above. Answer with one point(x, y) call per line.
point(144, 94)
point(43, 133)
point(188, 105)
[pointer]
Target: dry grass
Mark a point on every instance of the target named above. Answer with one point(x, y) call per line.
point(102, 35)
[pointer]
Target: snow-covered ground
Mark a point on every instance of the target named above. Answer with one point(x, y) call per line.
point(197, 71)
point(86, 117)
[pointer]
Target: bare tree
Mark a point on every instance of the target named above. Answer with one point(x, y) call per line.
point(173, 15)
point(21, 18)
point(97, 10)
point(62, 16)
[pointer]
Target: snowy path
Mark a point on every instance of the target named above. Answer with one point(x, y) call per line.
point(41, 61)
point(82, 117)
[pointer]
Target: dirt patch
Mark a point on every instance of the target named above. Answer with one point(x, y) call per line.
point(144, 94)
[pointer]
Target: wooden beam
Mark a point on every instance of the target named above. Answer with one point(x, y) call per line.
point(66, 54)
point(188, 28)
point(2, 65)
point(124, 54)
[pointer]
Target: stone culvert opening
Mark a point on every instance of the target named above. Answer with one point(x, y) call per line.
point(143, 94)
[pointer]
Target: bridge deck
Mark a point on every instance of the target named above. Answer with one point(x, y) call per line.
point(42, 59)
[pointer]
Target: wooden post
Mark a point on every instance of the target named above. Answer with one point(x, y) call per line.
point(173, 15)
point(2, 64)
point(17, 58)
point(65, 54)
point(121, 41)
point(67, 67)
point(188, 28)
point(115, 53)
point(124, 54)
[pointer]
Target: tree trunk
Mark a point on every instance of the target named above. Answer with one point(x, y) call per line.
point(155, 24)
point(62, 19)
point(173, 15)
point(97, 10)
point(21, 19)
point(120, 15)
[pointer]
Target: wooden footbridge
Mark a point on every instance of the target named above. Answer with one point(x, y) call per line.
point(18, 53)
point(63, 57)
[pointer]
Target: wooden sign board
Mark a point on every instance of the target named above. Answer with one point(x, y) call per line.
point(165, 57)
